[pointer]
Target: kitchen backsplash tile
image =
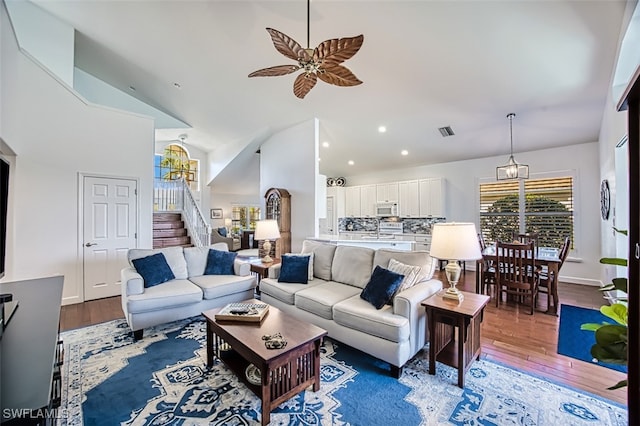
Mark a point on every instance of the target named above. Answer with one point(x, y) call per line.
point(370, 224)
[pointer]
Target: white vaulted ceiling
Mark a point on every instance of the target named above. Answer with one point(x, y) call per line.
point(424, 65)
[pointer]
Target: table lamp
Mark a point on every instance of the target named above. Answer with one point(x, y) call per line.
point(267, 230)
point(454, 241)
point(227, 224)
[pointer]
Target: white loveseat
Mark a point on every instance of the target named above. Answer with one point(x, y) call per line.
point(189, 294)
point(331, 300)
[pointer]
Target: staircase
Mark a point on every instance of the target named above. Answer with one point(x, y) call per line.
point(169, 231)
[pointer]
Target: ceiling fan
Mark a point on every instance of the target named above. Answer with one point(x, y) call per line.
point(323, 62)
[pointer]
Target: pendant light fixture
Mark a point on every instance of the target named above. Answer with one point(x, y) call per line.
point(512, 170)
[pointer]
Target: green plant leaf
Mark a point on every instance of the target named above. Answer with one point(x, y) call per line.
point(620, 231)
point(613, 261)
point(617, 312)
point(590, 326)
point(618, 385)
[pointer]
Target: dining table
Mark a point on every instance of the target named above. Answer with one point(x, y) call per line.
point(544, 256)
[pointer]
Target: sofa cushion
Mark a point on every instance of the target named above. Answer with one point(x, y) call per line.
point(285, 292)
point(320, 299)
point(214, 286)
point(352, 265)
point(360, 315)
point(196, 257)
point(154, 269)
point(220, 262)
point(417, 258)
point(310, 267)
point(322, 257)
point(381, 287)
point(174, 293)
point(173, 255)
point(411, 273)
point(294, 269)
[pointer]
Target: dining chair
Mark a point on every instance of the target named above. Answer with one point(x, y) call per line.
point(543, 274)
point(525, 238)
point(516, 272)
point(488, 277)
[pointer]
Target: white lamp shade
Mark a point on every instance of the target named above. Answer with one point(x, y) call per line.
point(455, 241)
point(227, 222)
point(267, 230)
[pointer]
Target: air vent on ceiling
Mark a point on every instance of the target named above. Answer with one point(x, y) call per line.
point(446, 131)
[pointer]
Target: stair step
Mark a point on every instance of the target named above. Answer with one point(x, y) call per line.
point(164, 217)
point(168, 225)
point(172, 232)
point(171, 241)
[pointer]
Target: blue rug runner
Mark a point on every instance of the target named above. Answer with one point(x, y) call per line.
point(577, 343)
point(162, 380)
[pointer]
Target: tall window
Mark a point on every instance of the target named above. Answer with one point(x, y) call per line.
point(174, 163)
point(542, 206)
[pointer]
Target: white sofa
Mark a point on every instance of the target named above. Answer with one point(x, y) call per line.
point(189, 294)
point(332, 300)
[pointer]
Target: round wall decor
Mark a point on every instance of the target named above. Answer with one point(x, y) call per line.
point(605, 199)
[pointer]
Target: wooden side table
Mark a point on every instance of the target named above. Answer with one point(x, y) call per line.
point(444, 316)
point(261, 269)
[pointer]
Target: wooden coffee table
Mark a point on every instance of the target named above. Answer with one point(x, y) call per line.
point(284, 372)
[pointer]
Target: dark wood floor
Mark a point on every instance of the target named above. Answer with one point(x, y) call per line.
point(510, 336)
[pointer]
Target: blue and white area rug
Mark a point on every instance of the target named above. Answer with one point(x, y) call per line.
point(108, 379)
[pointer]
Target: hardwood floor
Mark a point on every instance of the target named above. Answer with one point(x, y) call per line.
point(510, 336)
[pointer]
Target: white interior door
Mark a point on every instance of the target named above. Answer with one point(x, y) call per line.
point(109, 231)
point(327, 224)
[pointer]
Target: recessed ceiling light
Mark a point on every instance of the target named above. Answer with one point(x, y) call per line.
point(177, 85)
point(351, 163)
point(382, 129)
point(404, 152)
point(133, 89)
point(325, 144)
point(319, 159)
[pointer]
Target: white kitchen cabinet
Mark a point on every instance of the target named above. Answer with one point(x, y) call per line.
point(432, 201)
point(408, 199)
point(387, 192)
point(352, 201)
point(368, 201)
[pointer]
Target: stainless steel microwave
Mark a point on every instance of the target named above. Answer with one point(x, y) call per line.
point(386, 209)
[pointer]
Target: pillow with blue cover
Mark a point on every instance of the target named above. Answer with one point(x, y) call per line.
point(154, 269)
point(381, 287)
point(220, 262)
point(222, 231)
point(294, 269)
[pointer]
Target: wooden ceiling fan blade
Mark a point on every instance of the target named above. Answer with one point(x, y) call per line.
point(275, 71)
point(339, 75)
point(304, 82)
point(288, 46)
point(338, 50)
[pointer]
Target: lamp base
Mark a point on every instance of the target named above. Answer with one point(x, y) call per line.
point(452, 293)
point(267, 259)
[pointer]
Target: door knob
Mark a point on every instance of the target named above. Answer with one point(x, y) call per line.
point(90, 244)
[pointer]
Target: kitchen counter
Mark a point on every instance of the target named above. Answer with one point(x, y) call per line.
point(371, 242)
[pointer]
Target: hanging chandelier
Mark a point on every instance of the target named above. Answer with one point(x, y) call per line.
point(512, 170)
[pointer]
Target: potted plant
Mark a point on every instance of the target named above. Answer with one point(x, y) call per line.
point(611, 339)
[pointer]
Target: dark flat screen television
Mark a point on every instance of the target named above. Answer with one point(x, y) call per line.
point(4, 199)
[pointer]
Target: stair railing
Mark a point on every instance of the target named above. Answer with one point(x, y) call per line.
point(176, 196)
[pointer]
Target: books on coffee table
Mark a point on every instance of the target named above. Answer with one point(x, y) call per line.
point(245, 312)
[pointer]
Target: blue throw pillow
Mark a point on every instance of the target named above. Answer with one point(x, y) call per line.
point(154, 269)
point(220, 262)
point(294, 269)
point(222, 231)
point(381, 287)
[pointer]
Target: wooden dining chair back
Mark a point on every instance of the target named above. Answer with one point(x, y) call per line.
point(488, 277)
point(516, 273)
point(526, 238)
point(544, 279)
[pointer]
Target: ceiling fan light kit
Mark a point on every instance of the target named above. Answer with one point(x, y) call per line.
point(323, 62)
point(512, 170)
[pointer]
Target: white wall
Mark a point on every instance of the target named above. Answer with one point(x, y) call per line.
point(288, 160)
point(462, 202)
point(56, 135)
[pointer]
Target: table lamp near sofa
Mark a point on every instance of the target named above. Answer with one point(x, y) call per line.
point(453, 242)
point(267, 230)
